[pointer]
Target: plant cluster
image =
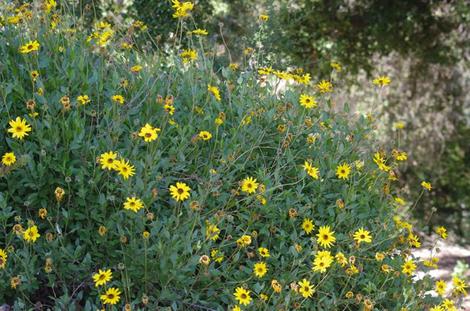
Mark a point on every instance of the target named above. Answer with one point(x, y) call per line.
point(140, 180)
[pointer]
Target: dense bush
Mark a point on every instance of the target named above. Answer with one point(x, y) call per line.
point(147, 180)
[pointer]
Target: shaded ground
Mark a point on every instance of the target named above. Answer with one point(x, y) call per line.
point(449, 253)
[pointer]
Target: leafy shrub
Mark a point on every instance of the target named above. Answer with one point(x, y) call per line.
point(148, 180)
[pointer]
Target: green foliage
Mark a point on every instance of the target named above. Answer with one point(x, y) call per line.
point(156, 254)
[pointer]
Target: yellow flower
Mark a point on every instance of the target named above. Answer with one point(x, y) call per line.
point(134, 204)
point(399, 155)
point(322, 261)
point(102, 230)
point(307, 225)
point(399, 125)
point(234, 66)
point(124, 168)
point(204, 135)
point(426, 185)
point(136, 68)
point(324, 86)
point(408, 267)
point(188, 55)
point(182, 9)
point(107, 160)
point(311, 170)
point(214, 90)
point(15, 281)
point(264, 17)
point(442, 231)
point(343, 170)
point(381, 81)
point(236, 308)
point(29, 47)
point(242, 296)
point(448, 305)
point(379, 159)
point(83, 99)
point(336, 66)
point(180, 191)
point(413, 240)
point(362, 235)
point(217, 255)
point(118, 99)
point(42, 213)
point(249, 185)
point(341, 259)
point(13, 20)
point(9, 159)
point(441, 287)
point(111, 296)
point(244, 240)
point(3, 258)
point(59, 194)
point(19, 128)
point(379, 256)
point(459, 285)
point(307, 101)
point(260, 269)
point(212, 232)
point(276, 286)
point(31, 234)
point(325, 237)
point(102, 277)
point(306, 289)
point(49, 5)
point(400, 201)
point(386, 268)
point(149, 133)
point(34, 75)
point(200, 32)
point(263, 252)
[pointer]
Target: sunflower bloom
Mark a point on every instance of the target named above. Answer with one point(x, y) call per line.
point(133, 204)
point(31, 234)
point(322, 261)
point(249, 185)
point(31, 46)
point(362, 235)
point(382, 81)
point(149, 133)
point(311, 170)
point(263, 252)
point(325, 237)
point(111, 296)
point(19, 128)
point(306, 289)
point(260, 269)
point(242, 296)
point(307, 225)
point(408, 267)
point(124, 168)
point(9, 159)
point(214, 90)
point(102, 277)
point(107, 160)
point(343, 171)
point(324, 86)
point(204, 135)
point(3, 258)
point(180, 191)
point(307, 101)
